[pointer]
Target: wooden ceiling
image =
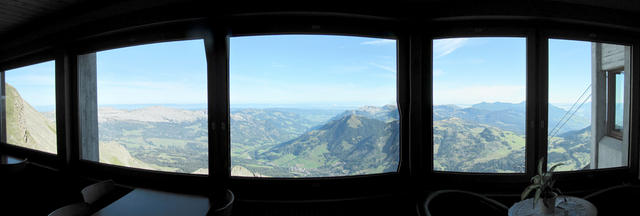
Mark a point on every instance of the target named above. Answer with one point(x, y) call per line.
point(17, 13)
point(14, 13)
point(27, 26)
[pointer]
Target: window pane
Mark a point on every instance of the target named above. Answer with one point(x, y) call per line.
point(578, 105)
point(30, 105)
point(313, 106)
point(479, 104)
point(619, 101)
point(152, 107)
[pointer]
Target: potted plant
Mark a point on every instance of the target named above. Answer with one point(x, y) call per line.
point(543, 184)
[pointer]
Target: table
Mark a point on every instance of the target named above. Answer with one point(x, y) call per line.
point(150, 202)
point(565, 205)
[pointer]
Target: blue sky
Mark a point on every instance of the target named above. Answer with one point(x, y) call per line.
point(35, 83)
point(160, 73)
point(307, 70)
point(569, 70)
point(473, 70)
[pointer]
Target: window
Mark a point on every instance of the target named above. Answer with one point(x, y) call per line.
point(479, 104)
point(29, 107)
point(13, 160)
point(586, 105)
point(313, 106)
point(152, 107)
point(615, 102)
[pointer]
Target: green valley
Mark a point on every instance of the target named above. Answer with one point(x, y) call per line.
point(288, 142)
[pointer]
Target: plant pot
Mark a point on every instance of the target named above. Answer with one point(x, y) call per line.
point(548, 204)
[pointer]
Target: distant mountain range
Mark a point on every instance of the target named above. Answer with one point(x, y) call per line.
point(31, 129)
point(289, 142)
point(507, 116)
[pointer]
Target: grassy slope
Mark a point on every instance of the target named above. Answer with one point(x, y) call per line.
point(350, 145)
point(29, 128)
point(116, 154)
point(460, 146)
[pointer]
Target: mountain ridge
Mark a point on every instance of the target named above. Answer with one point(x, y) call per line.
point(27, 127)
point(350, 145)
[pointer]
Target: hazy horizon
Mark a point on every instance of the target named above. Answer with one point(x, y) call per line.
point(48, 108)
point(315, 71)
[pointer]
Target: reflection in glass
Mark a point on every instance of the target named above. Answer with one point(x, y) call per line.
point(619, 101)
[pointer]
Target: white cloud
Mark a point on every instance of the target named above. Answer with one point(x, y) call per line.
point(437, 72)
point(443, 47)
point(448, 94)
point(379, 42)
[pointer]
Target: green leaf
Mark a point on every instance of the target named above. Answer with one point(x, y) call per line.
point(554, 167)
point(537, 197)
point(540, 163)
point(528, 190)
point(536, 179)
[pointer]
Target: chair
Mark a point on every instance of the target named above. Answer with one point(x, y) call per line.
point(616, 200)
point(458, 202)
point(95, 192)
point(10, 168)
point(75, 209)
point(223, 207)
point(13, 174)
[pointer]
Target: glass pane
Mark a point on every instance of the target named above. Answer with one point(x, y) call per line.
point(313, 106)
point(578, 105)
point(152, 107)
point(479, 104)
point(619, 100)
point(30, 105)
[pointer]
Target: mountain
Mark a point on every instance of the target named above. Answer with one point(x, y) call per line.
point(116, 154)
point(151, 114)
point(254, 130)
point(508, 116)
point(486, 137)
point(161, 136)
point(502, 115)
point(576, 122)
point(464, 146)
point(315, 116)
point(499, 106)
point(27, 127)
point(260, 127)
point(384, 113)
point(573, 149)
point(242, 171)
point(350, 145)
point(462, 141)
